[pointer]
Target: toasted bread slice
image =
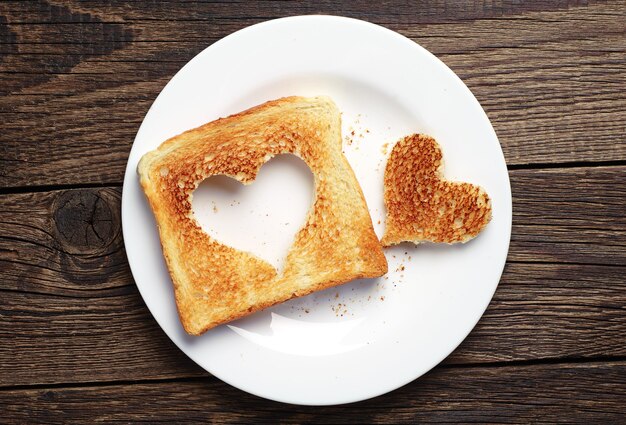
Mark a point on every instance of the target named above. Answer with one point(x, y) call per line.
point(423, 206)
point(215, 283)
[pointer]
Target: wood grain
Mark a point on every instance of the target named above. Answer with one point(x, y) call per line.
point(66, 278)
point(66, 243)
point(580, 393)
point(551, 93)
point(572, 215)
point(539, 312)
point(77, 343)
point(394, 11)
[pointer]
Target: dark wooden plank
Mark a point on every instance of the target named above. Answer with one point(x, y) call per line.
point(573, 215)
point(53, 339)
point(65, 279)
point(579, 393)
point(540, 311)
point(551, 311)
point(570, 215)
point(393, 11)
point(63, 242)
point(549, 75)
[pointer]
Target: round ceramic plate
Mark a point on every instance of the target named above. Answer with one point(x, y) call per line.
point(366, 337)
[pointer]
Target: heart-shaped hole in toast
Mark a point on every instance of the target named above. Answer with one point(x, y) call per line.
point(262, 217)
point(421, 204)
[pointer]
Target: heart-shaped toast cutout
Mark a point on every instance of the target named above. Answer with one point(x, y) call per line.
point(423, 206)
point(262, 217)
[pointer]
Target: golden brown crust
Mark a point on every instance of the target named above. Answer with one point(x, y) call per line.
point(214, 283)
point(421, 204)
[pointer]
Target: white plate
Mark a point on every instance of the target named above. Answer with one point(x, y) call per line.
point(387, 331)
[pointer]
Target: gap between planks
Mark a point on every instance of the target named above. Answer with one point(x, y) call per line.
point(123, 290)
point(531, 166)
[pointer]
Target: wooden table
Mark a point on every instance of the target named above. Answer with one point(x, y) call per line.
point(77, 342)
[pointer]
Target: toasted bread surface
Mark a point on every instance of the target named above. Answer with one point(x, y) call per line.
point(423, 206)
point(215, 283)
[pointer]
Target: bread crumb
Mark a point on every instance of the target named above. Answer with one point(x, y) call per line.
point(385, 148)
point(382, 298)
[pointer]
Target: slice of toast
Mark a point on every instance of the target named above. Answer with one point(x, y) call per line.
point(423, 206)
point(215, 283)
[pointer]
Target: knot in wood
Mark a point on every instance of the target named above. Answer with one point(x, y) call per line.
point(85, 221)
